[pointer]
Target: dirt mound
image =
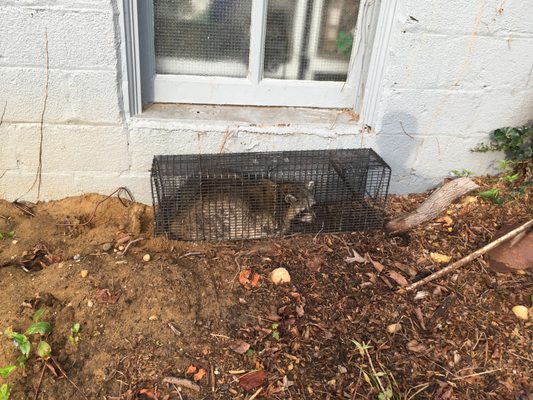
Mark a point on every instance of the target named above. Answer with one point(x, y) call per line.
point(185, 310)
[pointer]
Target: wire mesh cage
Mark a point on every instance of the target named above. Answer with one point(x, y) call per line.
point(256, 195)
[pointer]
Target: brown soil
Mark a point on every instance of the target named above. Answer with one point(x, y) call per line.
point(187, 307)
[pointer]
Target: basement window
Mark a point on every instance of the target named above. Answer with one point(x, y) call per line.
point(297, 53)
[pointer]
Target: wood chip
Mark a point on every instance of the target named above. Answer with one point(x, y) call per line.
point(182, 383)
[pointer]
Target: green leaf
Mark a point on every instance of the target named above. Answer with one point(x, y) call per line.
point(274, 326)
point(75, 328)
point(250, 352)
point(22, 342)
point(38, 314)
point(275, 335)
point(42, 328)
point(4, 235)
point(4, 392)
point(22, 360)
point(6, 371)
point(44, 350)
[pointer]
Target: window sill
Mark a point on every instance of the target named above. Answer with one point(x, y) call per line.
point(214, 117)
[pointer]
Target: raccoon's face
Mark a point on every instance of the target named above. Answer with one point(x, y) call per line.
point(301, 203)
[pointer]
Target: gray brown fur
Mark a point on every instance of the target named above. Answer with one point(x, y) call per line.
point(240, 208)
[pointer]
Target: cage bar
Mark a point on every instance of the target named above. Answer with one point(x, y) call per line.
point(268, 194)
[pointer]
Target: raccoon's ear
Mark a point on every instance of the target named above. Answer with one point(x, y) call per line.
point(290, 199)
point(310, 185)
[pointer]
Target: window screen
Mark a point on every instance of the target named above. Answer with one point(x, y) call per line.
point(202, 37)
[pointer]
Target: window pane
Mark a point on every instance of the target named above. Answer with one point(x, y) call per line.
point(202, 37)
point(309, 39)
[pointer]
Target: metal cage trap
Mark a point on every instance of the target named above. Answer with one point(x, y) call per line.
point(268, 194)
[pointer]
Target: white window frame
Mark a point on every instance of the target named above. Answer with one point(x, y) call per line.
point(366, 66)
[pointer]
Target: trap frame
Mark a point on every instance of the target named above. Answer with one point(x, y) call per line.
point(266, 194)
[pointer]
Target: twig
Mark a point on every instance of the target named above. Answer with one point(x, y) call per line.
point(118, 192)
point(23, 208)
point(476, 374)
point(68, 379)
point(470, 257)
point(130, 243)
point(40, 382)
point(253, 396)
point(182, 382)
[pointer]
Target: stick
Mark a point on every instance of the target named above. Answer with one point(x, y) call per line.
point(433, 206)
point(182, 382)
point(470, 257)
point(40, 382)
point(130, 243)
point(68, 379)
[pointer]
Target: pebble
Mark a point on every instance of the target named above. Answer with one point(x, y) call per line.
point(107, 246)
point(77, 258)
point(120, 248)
point(342, 369)
point(394, 328)
point(146, 257)
point(280, 275)
point(90, 303)
point(84, 273)
point(15, 241)
point(521, 312)
point(152, 317)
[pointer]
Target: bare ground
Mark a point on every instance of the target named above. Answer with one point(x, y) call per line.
point(185, 310)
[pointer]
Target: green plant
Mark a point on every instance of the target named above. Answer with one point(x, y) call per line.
point(4, 392)
point(461, 172)
point(516, 142)
point(74, 336)
point(5, 235)
point(344, 42)
point(275, 332)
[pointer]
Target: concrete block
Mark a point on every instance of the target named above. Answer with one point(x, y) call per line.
point(73, 96)
point(15, 184)
point(78, 38)
point(66, 148)
point(105, 183)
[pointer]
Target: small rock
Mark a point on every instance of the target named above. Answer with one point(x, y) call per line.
point(394, 328)
point(280, 275)
point(342, 369)
point(60, 265)
point(152, 318)
point(120, 248)
point(107, 246)
point(146, 257)
point(77, 258)
point(521, 312)
point(90, 303)
point(15, 241)
point(84, 273)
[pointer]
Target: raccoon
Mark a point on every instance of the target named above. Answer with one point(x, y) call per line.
point(240, 208)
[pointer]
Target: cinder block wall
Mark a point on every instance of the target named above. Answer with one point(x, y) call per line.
point(455, 70)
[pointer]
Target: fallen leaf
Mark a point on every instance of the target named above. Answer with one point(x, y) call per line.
point(356, 258)
point(148, 393)
point(315, 263)
point(199, 375)
point(377, 265)
point(446, 220)
point(104, 296)
point(240, 346)
point(440, 258)
point(300, 311)
point(399, 279)
point(416, 347)
point(191, 369)
point(252, 380)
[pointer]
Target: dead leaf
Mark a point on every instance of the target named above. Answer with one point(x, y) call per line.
point(240, 346)
point(420, 317)
point(104, 296)
point(315, 263)
point(356, 258)
point(148, 393)
point(191, 369)
point(440, 258)
point(252, 380)
point(377, 265)
point(416, 347)
point(199, 375)
point(399, 279)
point(300, 311)
point(446, 220)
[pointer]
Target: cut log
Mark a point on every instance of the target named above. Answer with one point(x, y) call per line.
point(433, 206)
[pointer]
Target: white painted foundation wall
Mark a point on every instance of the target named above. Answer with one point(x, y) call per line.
point(454, 71)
